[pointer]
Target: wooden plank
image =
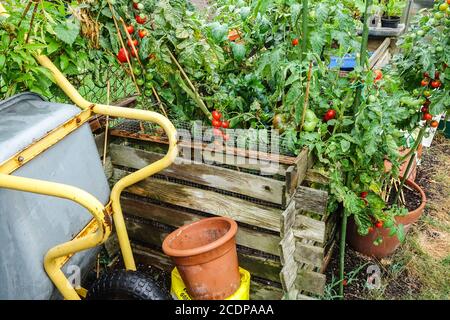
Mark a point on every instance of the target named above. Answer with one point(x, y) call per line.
point(309, 228)
point(157, 259)
point(311, 281)
point(206, 201)
point(311, 200)
point(288, 218)
point(379, 52)
point(254, 186)
point(309, 254)
point(259, 266)
point(296, 173)
point(262, 156)
point(176, 218)
point(287, 247)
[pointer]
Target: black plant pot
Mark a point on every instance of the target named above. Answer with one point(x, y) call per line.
point(390, 22)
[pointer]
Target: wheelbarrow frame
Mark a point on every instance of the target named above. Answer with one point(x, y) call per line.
point(99, 228)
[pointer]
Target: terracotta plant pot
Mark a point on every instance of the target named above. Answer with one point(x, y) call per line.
point(206, 257)
point(364, 244)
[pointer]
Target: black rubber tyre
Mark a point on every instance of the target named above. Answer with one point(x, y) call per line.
point(126, 285)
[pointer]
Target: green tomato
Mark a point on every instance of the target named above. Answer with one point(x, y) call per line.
point(439, 49)
point(137, 71)
point(310, 116)
point(148, 92)
point(420, 33)
point(148, 85)
point(438, 15)
point(148, 76)
point(309, 126)
point(140, 82)
point(372, 99)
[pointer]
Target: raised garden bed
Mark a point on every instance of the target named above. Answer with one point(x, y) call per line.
point(275, 211)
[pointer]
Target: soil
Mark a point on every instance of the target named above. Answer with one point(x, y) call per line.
point(411, 196)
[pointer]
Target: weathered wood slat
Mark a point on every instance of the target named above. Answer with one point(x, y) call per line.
point(206, 201)
point(254, 186)
point(263, 156)
point(288, 218)
point(379, 52)
point(256, 265)
point(309, 228)
point(311, 281)
point(309, 254)
point(311, 200)
point(176, 218)
point(258, 291)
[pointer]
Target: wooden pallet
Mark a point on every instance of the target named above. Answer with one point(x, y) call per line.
point(186, 192)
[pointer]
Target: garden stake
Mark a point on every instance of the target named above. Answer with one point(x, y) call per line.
point(363, 53)
point(119, 35)
point(413, 158)
point(200, 102)
point(305, 104)
point(32, 20)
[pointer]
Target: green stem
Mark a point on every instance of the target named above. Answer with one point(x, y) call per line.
point(342, 253)
point(411, 161)
point(363, 52)
point(305, 14)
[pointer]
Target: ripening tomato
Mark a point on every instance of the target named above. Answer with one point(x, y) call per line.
point(216, 123)
point(364, 194)
point(370, 229)
point(134, 42)
point(426, 74)
point(379, 224)
point(123, 55)
point(437, 74)
point(130, 29)
point(424, 109)
point(216, 115)
point(378, 75)
point(427, 117)
point(295, 42)
point(434, 124)
point(142, 33)
point(134, 52)
point(225, 124)
point(141, 19)
point(436, 84)
point(427, 93)
point(424, 83)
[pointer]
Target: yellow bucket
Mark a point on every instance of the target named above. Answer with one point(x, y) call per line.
point(179, 291)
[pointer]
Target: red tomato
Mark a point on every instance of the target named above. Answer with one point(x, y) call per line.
point(436, 84)
point(122, 55)
point(344, 282)
point(424, 83)
point(437, 74)
point(331, 114)
point(378, 75)
point(379, 224)
point(134, 52)
point(142, 33)
point(434, 124)
point(226, 124)
point(295, 42)
point(135, 42)
point(216, 115)
point(130, 29)
point(216, 123)
point(364, 194)
point(141, 19)
point(427, 117)
point(424, 109)
point(426, 74)
point(136, 5)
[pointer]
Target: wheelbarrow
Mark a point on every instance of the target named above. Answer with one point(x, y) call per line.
point(105, 212)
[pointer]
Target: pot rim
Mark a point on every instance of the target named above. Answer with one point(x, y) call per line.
point(203, 249)
point(390, 18)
